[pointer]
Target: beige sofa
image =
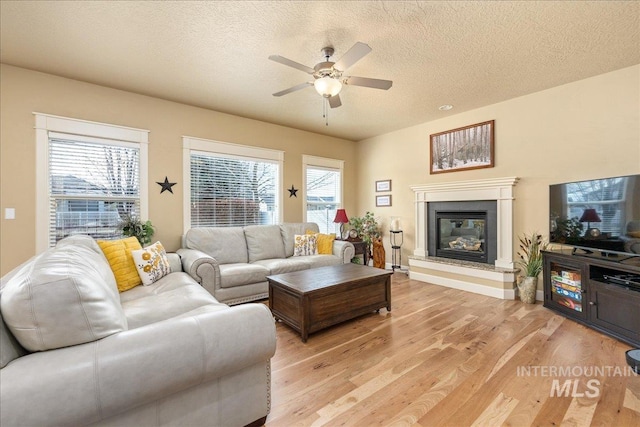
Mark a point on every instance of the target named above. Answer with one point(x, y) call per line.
point(232, 262)
point(75, 352)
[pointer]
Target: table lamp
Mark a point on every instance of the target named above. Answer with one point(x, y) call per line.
point(341, 218)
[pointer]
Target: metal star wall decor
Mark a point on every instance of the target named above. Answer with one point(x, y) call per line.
point(292, 191)
point(166, 185)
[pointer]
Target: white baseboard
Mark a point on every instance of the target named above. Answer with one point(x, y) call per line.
point(464, 286)
point(403, 268)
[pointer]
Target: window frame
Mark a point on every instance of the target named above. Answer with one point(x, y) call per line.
point(316, 162)
point(83, 130)
point(229, 150)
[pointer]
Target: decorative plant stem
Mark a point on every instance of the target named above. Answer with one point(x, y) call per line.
point(530, 254)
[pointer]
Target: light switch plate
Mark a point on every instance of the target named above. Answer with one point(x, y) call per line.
point(9, 213)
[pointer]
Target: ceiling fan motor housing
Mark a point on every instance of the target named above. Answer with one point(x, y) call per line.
point(325, 69)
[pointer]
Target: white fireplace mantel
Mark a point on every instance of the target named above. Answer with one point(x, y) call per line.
point(498, 189)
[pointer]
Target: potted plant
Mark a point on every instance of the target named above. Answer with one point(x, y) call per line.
point(367, 228)
point(132, 226)
point(530, 260)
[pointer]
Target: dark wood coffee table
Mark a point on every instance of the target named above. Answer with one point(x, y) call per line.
point(311, 300)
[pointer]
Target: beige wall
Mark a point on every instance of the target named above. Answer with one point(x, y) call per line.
point(23, 92)
point(582, 130)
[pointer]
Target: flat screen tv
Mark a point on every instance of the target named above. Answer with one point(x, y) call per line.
point(597, 215)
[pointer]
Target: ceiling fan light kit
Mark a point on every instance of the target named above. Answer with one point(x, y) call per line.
point(327, 86)
point(327, 75)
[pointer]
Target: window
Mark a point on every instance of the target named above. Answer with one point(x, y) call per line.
point(606, 196)
point(323, 191)
point(231, 185)
point(89, 176)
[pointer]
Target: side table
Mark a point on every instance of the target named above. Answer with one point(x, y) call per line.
point(362, 249)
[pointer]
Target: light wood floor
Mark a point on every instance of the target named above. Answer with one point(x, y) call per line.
point(451, 358)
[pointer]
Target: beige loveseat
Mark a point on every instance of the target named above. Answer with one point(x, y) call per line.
point(233, 262)
point(74, 352)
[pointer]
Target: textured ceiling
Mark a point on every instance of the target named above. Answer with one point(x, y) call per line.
point(215, 54)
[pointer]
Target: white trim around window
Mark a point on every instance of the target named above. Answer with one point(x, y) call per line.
point(47, 125)
point(320, 163)
point(224, 149)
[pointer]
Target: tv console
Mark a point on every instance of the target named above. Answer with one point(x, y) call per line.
point(601, 292)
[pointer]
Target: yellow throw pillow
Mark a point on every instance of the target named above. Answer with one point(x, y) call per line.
point(152, 263)
point(324, 242)
point(118, 253)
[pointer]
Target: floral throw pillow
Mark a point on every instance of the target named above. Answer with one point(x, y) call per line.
point(305, 244)
point(152, 263)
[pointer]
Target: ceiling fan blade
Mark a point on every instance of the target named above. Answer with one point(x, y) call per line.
point(334, 101)
point(293, 89)
point(284, 61)
point(367, 82)
point(353, 55)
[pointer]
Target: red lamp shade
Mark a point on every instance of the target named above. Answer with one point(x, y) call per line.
point(341, 217)
point(590, 215)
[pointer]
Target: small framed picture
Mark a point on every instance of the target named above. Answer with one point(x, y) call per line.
point(382, 201)
point(384, 185)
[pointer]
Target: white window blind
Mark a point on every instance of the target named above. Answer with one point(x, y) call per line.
point(323, 192)
point(93, 183)
point(606, 196)
point(231, 190)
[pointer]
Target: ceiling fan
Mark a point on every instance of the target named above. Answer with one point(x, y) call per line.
point(328, 76)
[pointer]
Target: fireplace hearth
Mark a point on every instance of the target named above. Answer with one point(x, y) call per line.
point(463, 230)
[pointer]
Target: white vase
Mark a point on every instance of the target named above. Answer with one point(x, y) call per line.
point(527, 289)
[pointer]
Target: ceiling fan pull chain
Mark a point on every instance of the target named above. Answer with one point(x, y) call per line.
point(326, 109)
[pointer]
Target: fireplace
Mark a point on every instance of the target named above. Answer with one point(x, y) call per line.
point(479, 211)
point(463, 230)
point(495, 190)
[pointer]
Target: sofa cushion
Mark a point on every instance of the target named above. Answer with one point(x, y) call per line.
point(81, 240)
point(316, 261)
point(242, 274)
point(88, 242)
point(118, 254)
point(284, 265)
point(226, 244)
point(152, 263)
point(288, 231)
point(169, 297)
point(66, 296)
point(264, 242)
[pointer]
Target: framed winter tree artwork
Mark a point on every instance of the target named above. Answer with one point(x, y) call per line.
point(469, 147)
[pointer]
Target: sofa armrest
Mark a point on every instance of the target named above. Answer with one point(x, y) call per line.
point(203, 268)
point(344, 250)
point(82, 384)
